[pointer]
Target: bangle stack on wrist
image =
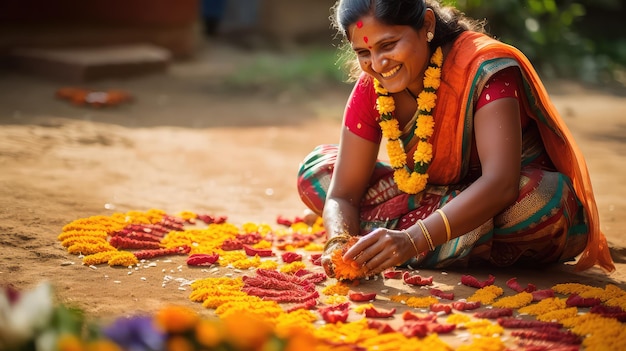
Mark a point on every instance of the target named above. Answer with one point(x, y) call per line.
point(429, 239)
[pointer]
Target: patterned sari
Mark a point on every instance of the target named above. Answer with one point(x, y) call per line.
point(555, 217)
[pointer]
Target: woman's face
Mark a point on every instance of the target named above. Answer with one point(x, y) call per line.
point(396, 56)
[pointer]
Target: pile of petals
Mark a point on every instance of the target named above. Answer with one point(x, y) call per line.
point(287, 301)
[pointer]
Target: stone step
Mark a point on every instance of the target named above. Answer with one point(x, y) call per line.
point(87, 64)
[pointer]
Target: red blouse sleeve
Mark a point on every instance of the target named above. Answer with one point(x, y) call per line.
point(505, 83)
point(360, 115)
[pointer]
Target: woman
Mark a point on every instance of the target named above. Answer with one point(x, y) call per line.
point(481, 167)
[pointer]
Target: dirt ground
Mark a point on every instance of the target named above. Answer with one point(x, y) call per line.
point(186, 144)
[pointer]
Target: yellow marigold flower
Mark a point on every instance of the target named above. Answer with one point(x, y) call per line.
point(93, 240)
point(601, 342)
point(414, 301)
point(424, 153)
point(432, 77)
point(487, 343)
point(293, 267)
point(484, 327)
point(425, 126)
point(516, 301)
point(590, 323)
point(102, 234)
point(437, 58)
point(411, 183)
point(302, 340)
point(426, 101)
point(543, 306)
point(570, 288)
point(227, 257)
point(390, 128)
point(253, 308)
point(187, 215)
point(336, 289)
point(176, 319)
point(361, 308)
point(267, 264)
point(458, 318)
point(88, 249)
point(209, 333)
point(558, 315)
point(263, 244)
point(247, 263)
point(395, 150)
point(314, 247)
point(385, 105)
point(379, 89)
point(486, 295)
point(123, 258)
point(215, 302)
point(179, 343)
point(98, 258)
point(69, 342)
point(335, 299)
point(350, 333)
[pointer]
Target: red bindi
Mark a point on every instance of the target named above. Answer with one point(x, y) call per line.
point(359, 24)
point(366, 39)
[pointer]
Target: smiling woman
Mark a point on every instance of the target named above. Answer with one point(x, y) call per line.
point(494, 174)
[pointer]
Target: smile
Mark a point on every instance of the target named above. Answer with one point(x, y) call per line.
point(392, 72)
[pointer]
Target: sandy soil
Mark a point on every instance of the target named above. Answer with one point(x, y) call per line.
point(185, 144)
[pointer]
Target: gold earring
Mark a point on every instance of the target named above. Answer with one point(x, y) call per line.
point(430, 36)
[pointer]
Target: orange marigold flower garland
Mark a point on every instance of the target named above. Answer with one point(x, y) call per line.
point(411, 181)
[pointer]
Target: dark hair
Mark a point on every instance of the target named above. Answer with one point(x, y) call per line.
point(450, 22)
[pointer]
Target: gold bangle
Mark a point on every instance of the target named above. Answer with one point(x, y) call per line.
point(412, 242)
point(446, 223)
point(344, 238)
point(429, 239)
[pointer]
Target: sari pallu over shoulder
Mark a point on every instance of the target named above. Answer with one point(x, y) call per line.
point(473, 59)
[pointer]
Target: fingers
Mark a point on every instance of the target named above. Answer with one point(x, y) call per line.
point(381, 262)
point(365, 242)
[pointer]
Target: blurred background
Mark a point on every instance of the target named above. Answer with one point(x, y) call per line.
point(584, 40)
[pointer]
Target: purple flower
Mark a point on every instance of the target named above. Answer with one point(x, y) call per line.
point(135, 334)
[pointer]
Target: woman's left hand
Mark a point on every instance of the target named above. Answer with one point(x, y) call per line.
point(379, 250)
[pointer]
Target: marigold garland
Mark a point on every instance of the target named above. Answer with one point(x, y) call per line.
point(411, 182)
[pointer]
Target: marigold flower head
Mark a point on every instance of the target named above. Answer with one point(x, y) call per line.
point(209, 333)
point(424, 153)
point(426, 101)
point(345, 270)
point(176, 319)
point(395, 151)
point(425, 126)
point(179, 343)
point(390, 129)
point(246, 330)
point(69, 342)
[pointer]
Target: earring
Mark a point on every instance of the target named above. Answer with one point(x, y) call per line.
point(430, 36)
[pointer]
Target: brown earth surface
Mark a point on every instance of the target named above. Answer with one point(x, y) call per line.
point(185, 143)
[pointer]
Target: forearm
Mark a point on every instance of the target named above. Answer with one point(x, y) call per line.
point(467, 211)
point(340, 218)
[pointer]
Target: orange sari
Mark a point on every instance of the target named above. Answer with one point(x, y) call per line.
point(467, 67)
